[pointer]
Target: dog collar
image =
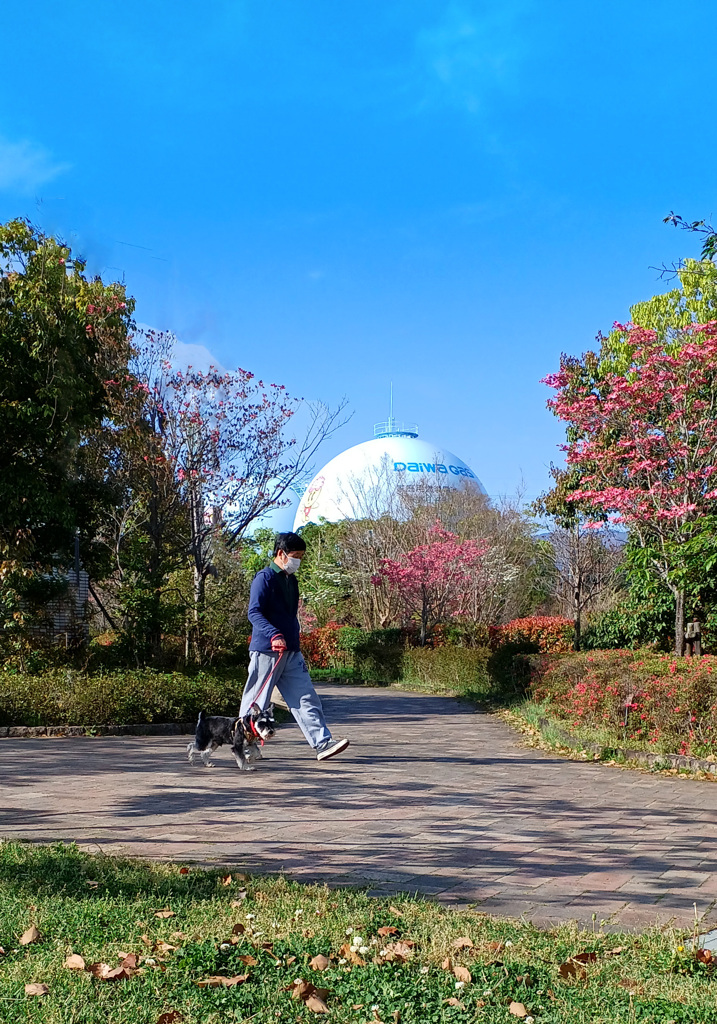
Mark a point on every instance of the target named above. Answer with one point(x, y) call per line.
point(255, 734)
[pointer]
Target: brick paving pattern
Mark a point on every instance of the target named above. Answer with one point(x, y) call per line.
point(430, 798)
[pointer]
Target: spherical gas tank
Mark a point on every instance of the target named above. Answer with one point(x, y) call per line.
point(360, 482)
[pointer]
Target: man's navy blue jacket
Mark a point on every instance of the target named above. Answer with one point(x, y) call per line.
point(273, 609)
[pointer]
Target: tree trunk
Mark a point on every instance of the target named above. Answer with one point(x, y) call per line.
point(679, 623)
point(576, 618)
point(200, 589)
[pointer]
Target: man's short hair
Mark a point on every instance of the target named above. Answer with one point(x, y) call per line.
point(288, 542)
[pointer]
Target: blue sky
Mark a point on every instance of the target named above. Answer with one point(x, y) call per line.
point(445, 194)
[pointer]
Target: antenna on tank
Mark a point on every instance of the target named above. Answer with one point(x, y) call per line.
point(391, 428)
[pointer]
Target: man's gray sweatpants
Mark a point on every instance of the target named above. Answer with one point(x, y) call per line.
point(291, 678)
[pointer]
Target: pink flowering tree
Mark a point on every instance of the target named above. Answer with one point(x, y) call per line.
point(230, 440)
point(434, 581)
point(643, 442)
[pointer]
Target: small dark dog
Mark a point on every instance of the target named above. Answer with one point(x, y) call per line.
point(244, 735)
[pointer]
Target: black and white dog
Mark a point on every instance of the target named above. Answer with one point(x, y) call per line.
point(244, 735)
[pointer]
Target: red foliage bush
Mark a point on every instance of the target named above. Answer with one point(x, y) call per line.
point(636, 695)
point(552, 634)
point(320, 646)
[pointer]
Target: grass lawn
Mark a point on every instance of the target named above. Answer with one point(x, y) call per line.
point(402, 961)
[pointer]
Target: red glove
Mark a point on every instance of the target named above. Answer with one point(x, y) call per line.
point(278, 643)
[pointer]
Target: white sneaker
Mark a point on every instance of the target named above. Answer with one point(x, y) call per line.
point(330, 748)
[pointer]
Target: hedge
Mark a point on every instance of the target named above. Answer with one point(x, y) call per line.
point(68, 697)
point(551, 634)
point(663, 702)
point(447, 669)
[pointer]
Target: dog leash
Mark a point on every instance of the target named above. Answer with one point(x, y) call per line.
point(268, 678)
point(263, 687)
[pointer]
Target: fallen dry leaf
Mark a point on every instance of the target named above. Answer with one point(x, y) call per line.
point(357, 1006)
point(462, 943)
point(351, 956)
point(388, 929)
point(319, 963)
point(573, 966)
point(316, 1004)
point(170, 1017)
point(103, 972)
point(226, 879)
point(92, 884)
point(616, 951)
point(249, 960)
point(75, 962)
point(306, 991)
point(182, 871)
point(396, 911)
point(704, 956)
point(31, 935)
point(290, 960)
point(164, 913)
point(518, 1010)
point(462, 974)
point(163, 948)
point(584, 958)
point(454, 1002)
point(2, 952)
point(447, 964)
point(37, 988)
point(299, 988)
point(238, 929)
point(402, 950)
point(572, 970)
point(307, 933)
point(219, 981)
point(146, 940)
point(634, 987)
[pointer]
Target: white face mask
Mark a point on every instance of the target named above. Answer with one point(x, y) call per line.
point(292, 564)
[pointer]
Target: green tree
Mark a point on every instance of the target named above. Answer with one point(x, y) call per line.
point(62, 337)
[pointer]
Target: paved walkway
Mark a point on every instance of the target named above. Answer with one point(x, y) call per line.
point(430, 797)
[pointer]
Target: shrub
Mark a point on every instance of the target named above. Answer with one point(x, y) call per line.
point(68, 697)
point(373, 654)
point(627, 626)
point(549, 633)
point(447, 669)
point(510, 669)
point(462, 634)
point(638, 696)
point(378, 655)
point(321, 648)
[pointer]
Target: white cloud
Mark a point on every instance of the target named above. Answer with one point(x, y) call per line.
point(25, 165)
point(197, 356)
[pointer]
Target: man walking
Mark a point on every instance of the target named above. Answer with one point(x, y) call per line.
point(275, 657)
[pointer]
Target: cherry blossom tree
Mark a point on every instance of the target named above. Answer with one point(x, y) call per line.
point(434, 581)
point(644, 442)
